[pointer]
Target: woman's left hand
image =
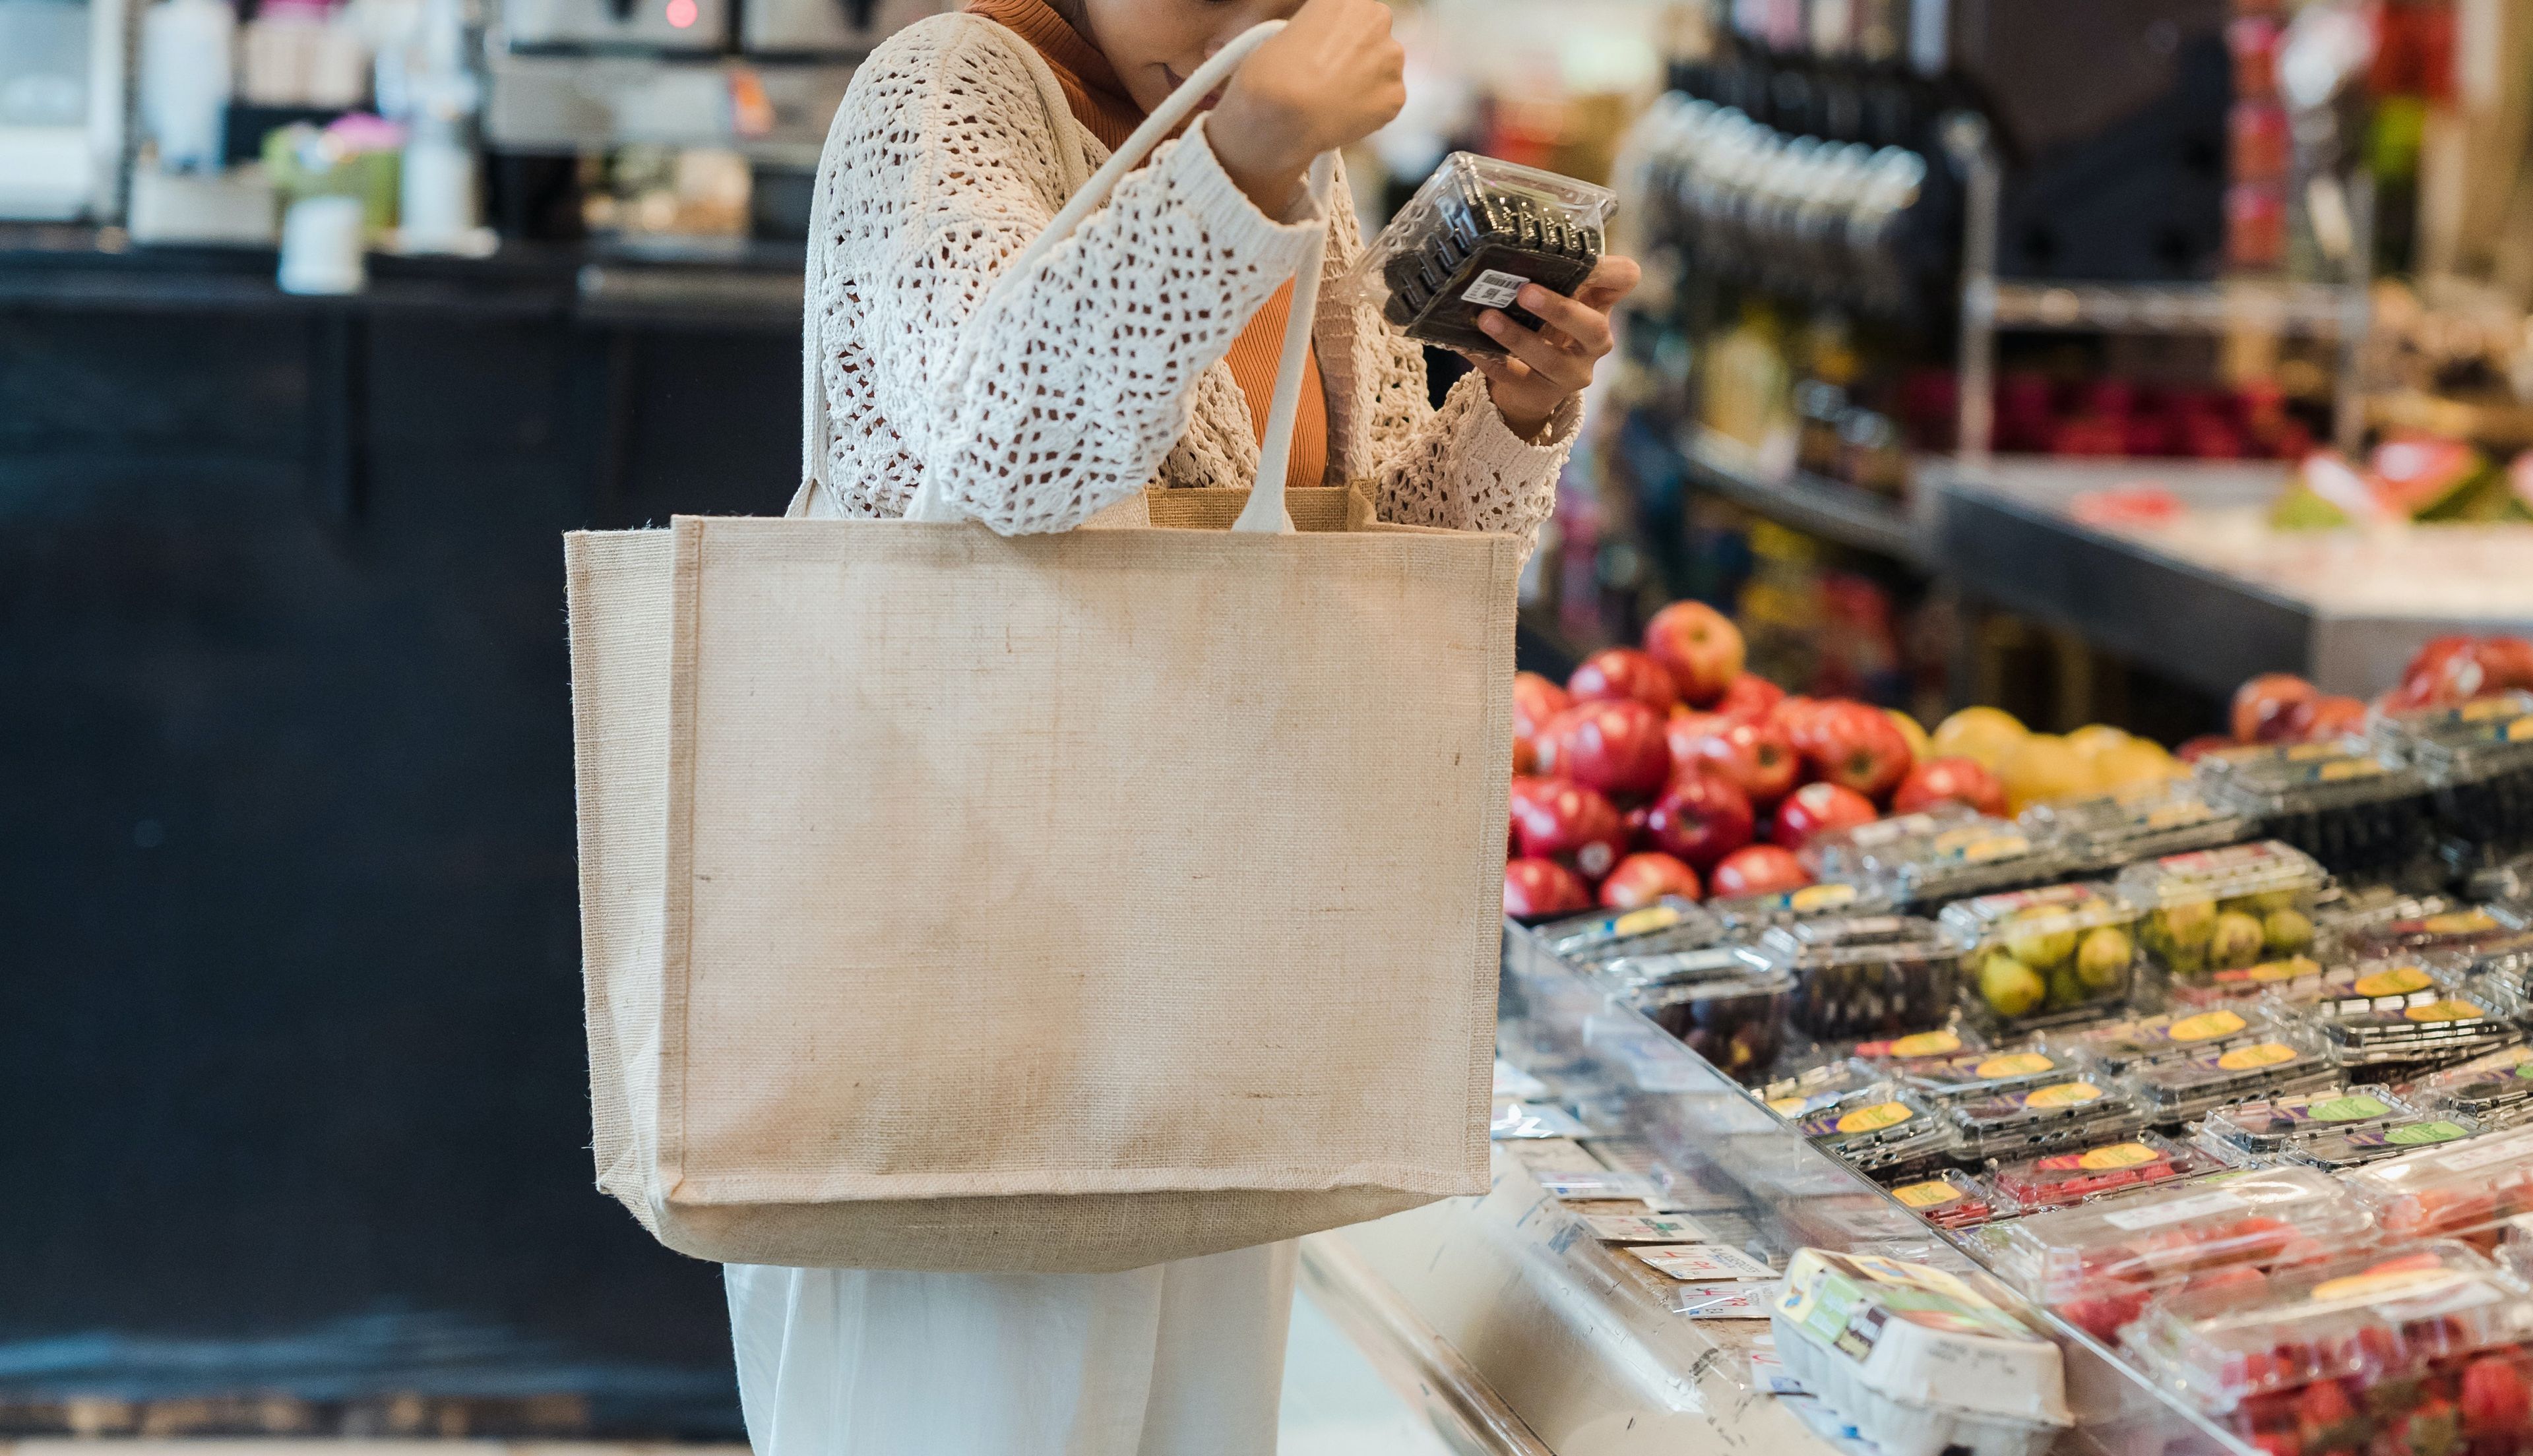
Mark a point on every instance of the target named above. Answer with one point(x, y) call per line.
point(1553, 363)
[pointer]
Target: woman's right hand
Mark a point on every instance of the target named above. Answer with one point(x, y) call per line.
point(1334, 76)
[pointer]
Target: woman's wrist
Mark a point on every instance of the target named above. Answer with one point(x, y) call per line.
point(1269, 169)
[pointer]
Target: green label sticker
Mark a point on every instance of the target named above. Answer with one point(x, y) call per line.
point(2347, 1109)
point(2418, 1134)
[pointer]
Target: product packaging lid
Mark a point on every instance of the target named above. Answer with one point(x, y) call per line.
point(1823, 1088)
point(1754, 988)
point(1474, 233)
point(2173, 1092)
point(2356, 1147)
point(1899, 1116)
point(1949, 1198)
point(1856, 940)
point(2117, 1047)
point(2054, 1179)
point(1934, 857)
point(2130, 1243)
point(1676, 967)
point(1669, 923)
point(2448, 927)
point(2492, 1089)
point(1922, 1337)
point(2053, 1115)
point(2449, 1192)
point(2306, 778)
point(2380, 1314)
point(1850, 853)
point(1749, 914)
point(2266, 867)
point(2402, 1012)
point(1994, 920)
point(2290, 980)
point(1905, 1055)
point(2467, 743)
point(1988, 1074)
point(2268, 1124)
point(2144, 821)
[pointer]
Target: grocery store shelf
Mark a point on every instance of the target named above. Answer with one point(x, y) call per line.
point(1832, 510)
point(2166, 308)
point(2496, 425)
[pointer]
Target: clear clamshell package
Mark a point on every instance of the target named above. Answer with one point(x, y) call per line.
point(1471, 237)
point(2054, 1179)
point(1861, 977)
point(2290, 1059)
point(2144, 821)
point(2214, 910)
point(1929, 857)
point(2033, 958)
point(2360, 813)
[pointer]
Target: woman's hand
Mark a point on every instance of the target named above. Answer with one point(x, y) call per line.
point(1553, 363)
point(1332, 78)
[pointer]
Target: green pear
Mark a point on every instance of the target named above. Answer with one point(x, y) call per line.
point(2189, 924)
point(2010, 987)
point(2050, 948)
point(2236, 942)
point(2287, 931)
point(2102, 961)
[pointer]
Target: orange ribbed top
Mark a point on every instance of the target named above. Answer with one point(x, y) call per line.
point(1102, 105)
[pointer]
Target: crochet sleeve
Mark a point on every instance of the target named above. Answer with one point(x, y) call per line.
point(1460, 466)
point(1035, 404)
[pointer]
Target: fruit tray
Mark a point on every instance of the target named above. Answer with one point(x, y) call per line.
point(1950, 1198)
point(2356, 1148)
point(2404, 1015)
point(2289, 1060)
point(1746, 916)
point(1925, 859)
point(2117, 1048)
point(2479, 760)
point(2357, 813)
point(2462, 1193)
point(2057, 1179)
point(2215, 909)
point(1861, 976)
point(1737, 1024)
point(2494, 1090)
point(2378, 1320)
point(2098, 1262)
point(2267, 1125)
point(2060, 1114)
point(2040, 956)
point(2145, 821)
point(1972, 1075)
point(1470, 238)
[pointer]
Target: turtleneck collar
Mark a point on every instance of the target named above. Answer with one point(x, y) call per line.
point(1099, 100)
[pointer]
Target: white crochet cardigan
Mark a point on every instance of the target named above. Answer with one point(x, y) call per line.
point(1040, 405)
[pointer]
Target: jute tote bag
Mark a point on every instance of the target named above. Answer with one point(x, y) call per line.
point(1051, 903)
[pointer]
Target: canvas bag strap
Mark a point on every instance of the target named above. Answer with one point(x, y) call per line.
point(1265, 508)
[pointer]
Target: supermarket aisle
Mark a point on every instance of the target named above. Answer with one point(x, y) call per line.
point(1333, 1403)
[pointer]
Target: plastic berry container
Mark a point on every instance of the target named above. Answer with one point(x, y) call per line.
point(2268, 1124)
point(1895, 1136)
point(1949, 1199)
point(2035, 958)
point(1659, 967)
point(1668, 924)
point(2117, 1048)
point(2170, 1093)
point(2097, 1263)
point(1970, 1075)
point(1863, 977)
point(1471, 237)
point(2059, 1114)
point(2477, 759)
point(2358, 813)
point(2214, 910)
point(2376, 1319)
point(1737, 1024)
point(2335, 1152)
point(2402, 1016)
point(2145, 821)
point(2451, 1192)
point(2494, 1090)
point(2293, 980)
point(2054, 1179)
point(1925, 859)
point(2447, 928)
point(1902, 1055)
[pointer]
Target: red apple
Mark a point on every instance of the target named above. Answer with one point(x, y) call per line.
point(2321, 718)
point(1699, 646)
point(1525, 756)
point(1949, 781)
point(2443, 671)
point(1757, 756)
point(1791, 712)
point(1572, 825)
point(1700, 818)
point(1750, 696)
point(2505, 662)
point(2200, 747)
point(1535, 700)
point(1854, 745)
point(1818, 809)
point(1683, 728)
point(1622, 673)
point(1617, 746)
point(1760, 869)
point(1642, 879)
point(2261, 706)
point(1538, 889)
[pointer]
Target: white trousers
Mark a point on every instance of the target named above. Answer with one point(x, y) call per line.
point(1181, 1359)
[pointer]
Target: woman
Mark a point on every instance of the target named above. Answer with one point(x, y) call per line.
point(1143, 350)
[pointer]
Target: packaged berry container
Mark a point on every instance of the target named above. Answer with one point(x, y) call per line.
point(2117, 1048)
point(1925, 859)
point(1745, 916)
point(2215, 909)
point(2401, 1015)
point(1471, 237)
point(1950, 1200)
point(1970, 1075)
point(2359, 814)
point(2287, 1060)
point(2097, 1263)
point(1863, 977)
point(1737, 1024)
point(1905, 1054)
point(2360, 1335)
point(1898, 1134)
point(2293, 980)
point(2445, 927)
point(2478, 760)
point(1669, 923)
point(2267, 1125)
point(2146, 821)
point(2060, 1114)
point(2495, 1089)
point(2035, 958)
point(2451, 1192)
point(2055, 1180)
point(1675, 967)
point(2335, 1152)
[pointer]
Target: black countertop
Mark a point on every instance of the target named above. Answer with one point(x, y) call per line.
point(743, 284)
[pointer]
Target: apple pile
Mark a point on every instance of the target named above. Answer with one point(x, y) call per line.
point(1672, 769)
point(2283, 708)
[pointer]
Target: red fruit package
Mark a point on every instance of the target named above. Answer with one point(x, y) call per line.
point(2151, 1239)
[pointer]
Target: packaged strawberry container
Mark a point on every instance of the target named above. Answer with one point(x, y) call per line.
point(2229, 908)
point(2402, 1016)
point(2117, 1048)
point(1925, 859)
point(2456, 1193)
point(2173, 1092)
point(1988, 1073)
point(2097, 1263)
point(2145, 821)
point(2268, 1124)
point(2060, 1114)
point(2035, 958)
point(2359, 813)
point(2054, 1179)
point(1950, 1198)
point(1863, 977)
point(2352, 1355)
point(2436, 925)
point(1746, 916)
